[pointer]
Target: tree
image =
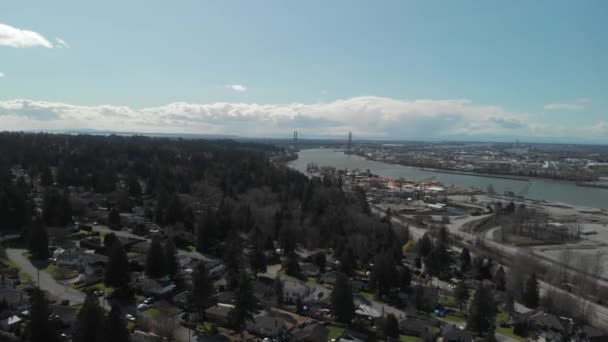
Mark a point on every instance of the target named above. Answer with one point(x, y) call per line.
point(134, 187)
point(46, 177)
point(299, 306)
point(40, 328)
point(257, 260)
point(292, 266)
point(384, 273)
point(202, 287)
point(531, 296)
point(233, 259)
point(342, 303)
point(320, 261)
point(437, 262)
point(500, 279)
point(108, 241)
point(116, 327)
point(155, 261)
point(348, 262)
point(461, 293)
point(38, 240)
point(89, 326)
point(245, 304)
point(465, 259)
point(425, 246)
point(405, 278)
point(482, 312)
point(208, 232)
point(117, 272)
point(114, 218)
point(171, 263)
point(278, 290)
point(391, 328)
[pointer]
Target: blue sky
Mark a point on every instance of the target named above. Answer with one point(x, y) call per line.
point(387, 69)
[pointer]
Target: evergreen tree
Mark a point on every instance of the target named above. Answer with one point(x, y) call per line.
point(461, 293)
point(292, 266)
point(64, 214)
point(425, 246)
point(437, 262)
point(114, 218)
point(174, 211)
point(172, 266)
point(208, 232)
point(482, 312)
point(342, 303)
point(202, 287)
point(405, 278)
point(531, 295)
point(89, 326)
point(465, 259)
point(117, 272)
point(278, 291)
point(40, 328)
point(257, 260)
point(116, 327)
point(46, 177)
point(391, 328)
point(38, 240)
point(155, 261)
point(500, 279)
point(233, 259)
point(384, 273)
point(348, 262)
point(320, 261)
point(134, 187)
point(245, 304)
point(108, 241)
point(299, 306)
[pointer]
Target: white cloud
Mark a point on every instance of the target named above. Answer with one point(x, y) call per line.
point(237, 87)
point(61, 43)
point(18, 38)
point(366, 116)
point(1, 74)
point(577, 105)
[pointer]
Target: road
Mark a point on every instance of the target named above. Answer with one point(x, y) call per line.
point(47, 283)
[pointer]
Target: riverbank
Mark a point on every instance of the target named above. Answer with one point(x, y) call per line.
point(534, 189)
point(475, 174)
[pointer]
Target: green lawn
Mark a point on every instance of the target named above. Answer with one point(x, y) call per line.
point(367, 295)
point(130, 326)
point(132, 255)
point(448, 301)
point(8, 262)
point(509, 332)
point(334, 332)
point(311, 280)
point(455, 318)
point(502, 317)
point(408, 338)
point(282, 273)
point(153, 312)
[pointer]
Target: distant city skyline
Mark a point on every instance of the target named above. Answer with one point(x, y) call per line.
point(434, 70)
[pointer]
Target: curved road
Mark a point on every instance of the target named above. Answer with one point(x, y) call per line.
point(47, 283)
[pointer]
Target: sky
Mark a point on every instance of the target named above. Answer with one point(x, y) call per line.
point(410, 70)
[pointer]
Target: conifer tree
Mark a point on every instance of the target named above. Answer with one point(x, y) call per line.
point(116, 327)
point(89, 325)
point(531, 295)
point(342, 303)
point(155, 261)
point(40, 329)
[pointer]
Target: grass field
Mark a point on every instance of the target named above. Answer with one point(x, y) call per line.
point(408, 338)
point(153, 312)
point(334, 332)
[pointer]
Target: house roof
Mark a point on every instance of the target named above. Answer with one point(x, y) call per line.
point(220, 310)
point(454, 334)
point(314, 332)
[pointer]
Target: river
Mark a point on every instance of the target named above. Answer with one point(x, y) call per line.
point(538, 189)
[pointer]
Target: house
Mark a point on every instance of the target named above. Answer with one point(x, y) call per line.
point(182, 299)
point(593, 334)
point(309, 270)
point(156, 287)
point(268, 325)
point(16, 299)
point(454, 334)
point(292, 290)
point(314, 332)
point(329, 278)
point(65, 314)
point(219, 313)
point(9, 323)
point(414, 326)
point(367, 312)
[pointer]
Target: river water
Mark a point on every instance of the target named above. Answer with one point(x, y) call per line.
point(538, 189)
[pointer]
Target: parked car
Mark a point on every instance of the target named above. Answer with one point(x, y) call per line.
point(143, 307)
point(130, 318)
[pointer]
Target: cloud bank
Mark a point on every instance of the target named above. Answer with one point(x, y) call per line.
point(366, 117)
point(19, 38)
point(577, 105)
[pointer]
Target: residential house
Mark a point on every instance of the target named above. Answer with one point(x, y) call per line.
point(156, 287)
point(453, 334)
point(413, 325)
point(219, 313)
point(292, 290)
point(592, 334)
point(268, 325)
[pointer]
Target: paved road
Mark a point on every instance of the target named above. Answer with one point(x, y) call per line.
point(47, 282)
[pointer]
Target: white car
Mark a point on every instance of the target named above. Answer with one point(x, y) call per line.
point(142, 307)
point(130, 318)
